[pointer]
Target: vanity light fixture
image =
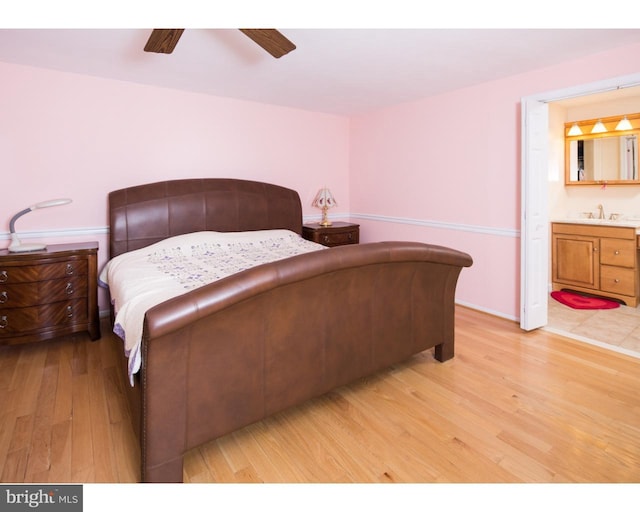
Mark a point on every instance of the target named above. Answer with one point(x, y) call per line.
point(624, 124)
point(16, 245)
point(599, 127)
point(574, 130)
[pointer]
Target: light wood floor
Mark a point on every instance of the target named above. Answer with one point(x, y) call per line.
point(510, 407)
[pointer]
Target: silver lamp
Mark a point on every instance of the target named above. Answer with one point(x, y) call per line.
point(16, 245)
point(324, 200)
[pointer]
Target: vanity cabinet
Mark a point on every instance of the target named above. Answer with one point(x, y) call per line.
point(597, 259)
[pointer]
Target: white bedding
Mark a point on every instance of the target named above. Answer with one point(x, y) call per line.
point(141, 279)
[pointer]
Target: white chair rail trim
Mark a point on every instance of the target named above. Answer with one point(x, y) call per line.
point(58, 233)
point(471, 228)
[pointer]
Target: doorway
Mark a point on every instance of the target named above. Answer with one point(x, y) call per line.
point(534, 231)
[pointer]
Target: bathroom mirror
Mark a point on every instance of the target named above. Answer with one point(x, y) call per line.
point(610, 156)
point(597, 159)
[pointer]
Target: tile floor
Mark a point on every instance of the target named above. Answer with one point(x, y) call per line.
point(617, 329)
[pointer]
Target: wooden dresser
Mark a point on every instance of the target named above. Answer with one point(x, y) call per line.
point(50, 293)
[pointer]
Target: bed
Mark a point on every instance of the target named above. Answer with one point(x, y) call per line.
point(240, 348)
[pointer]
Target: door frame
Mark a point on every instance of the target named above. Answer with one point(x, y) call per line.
point(534, 194)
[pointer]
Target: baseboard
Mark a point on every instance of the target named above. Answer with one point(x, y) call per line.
point(488, 311)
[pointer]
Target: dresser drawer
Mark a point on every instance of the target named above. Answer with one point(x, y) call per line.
point(618, 280)
point(618, 252)
point(43, 292)
point(23, 321)
point(339, 238)
point(33, 273)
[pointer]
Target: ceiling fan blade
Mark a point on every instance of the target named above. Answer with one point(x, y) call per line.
point(163, 40)
point(270, 39)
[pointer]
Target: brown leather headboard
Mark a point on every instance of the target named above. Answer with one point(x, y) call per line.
point(145, 214)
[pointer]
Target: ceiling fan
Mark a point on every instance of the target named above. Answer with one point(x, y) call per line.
point(164, 40)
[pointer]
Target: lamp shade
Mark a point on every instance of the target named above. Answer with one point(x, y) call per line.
point(574, 130)
point(599, 127)
point(624, 124)
point(323, 198)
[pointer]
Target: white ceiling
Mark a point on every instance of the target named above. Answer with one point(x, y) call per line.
point(338, 71)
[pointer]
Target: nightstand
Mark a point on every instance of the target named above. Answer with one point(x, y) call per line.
point(49, 293)
point(339, 233)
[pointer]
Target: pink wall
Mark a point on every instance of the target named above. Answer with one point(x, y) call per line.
point(446, 170)
point(407, 172)
point(68, 135)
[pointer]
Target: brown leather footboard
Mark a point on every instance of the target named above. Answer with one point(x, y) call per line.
point(240, 349)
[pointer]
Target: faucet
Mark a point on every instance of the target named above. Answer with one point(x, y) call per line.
point(601, 215)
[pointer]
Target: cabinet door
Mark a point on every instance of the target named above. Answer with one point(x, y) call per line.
point(575, 260)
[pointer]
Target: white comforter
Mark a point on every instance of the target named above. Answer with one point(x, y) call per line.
point(141, 279)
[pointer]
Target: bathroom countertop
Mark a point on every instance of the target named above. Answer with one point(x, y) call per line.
point(623, 223)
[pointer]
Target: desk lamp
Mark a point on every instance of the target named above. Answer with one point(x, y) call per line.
point(16, 245)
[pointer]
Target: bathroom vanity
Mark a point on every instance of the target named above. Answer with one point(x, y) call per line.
point(598, 257)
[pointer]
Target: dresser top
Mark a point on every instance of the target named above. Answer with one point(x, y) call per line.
point(334, 224)
point(50, 250)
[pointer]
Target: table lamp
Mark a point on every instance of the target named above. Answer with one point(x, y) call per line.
point(324, 200)
point(16, 245)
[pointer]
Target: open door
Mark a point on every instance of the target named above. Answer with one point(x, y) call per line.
point(534, 223)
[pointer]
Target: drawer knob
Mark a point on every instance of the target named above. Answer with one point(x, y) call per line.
point(69, 311)
point(616, 280)
point(3, 297)
point(69, 288)
point(3, 321)
point(616, 252)
point(69, 269)
point(3, 276)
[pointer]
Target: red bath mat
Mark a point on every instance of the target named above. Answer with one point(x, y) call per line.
point(577, 301)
